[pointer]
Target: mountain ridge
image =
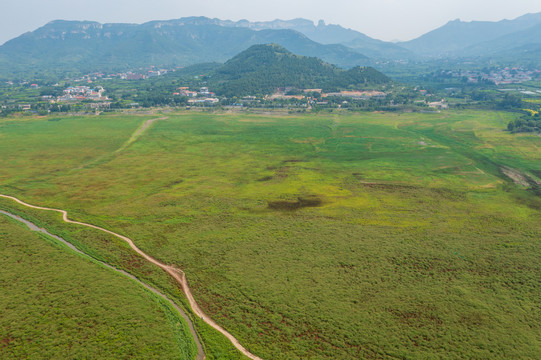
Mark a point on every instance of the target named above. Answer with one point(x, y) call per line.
point(85, 46)
point(456, 35)
point(91, 45)
point(330, 34)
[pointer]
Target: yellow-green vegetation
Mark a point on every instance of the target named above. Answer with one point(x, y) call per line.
point(58, 305)
point(318, 236)
point(531, 112)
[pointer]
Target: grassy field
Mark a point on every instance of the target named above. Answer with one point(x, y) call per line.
point(309, 236)
point(58, 305)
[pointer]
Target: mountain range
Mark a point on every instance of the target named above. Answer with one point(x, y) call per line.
point(477, 38)
point(329, 34)
point(90, 46)
point(94, 46)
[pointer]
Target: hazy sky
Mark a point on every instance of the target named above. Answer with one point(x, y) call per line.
point(381, 19)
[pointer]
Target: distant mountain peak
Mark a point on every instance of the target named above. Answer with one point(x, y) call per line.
point(457, 37)
point(328, 34)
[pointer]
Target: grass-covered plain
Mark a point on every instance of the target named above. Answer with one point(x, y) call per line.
point(317, 236)
point(58, 305)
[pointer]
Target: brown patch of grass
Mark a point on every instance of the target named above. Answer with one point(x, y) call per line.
point(6, 341)
point(299, 203)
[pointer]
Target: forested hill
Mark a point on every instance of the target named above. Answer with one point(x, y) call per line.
point(263, 68)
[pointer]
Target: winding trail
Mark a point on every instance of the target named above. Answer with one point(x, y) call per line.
point(176, 273)
point(33, 227)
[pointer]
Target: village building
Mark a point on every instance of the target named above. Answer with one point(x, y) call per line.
point(438, 105)
point(79, 93)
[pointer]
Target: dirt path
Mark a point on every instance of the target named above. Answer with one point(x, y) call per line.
point(176, 273)
point(33, 227)
point(516, 176)
point(137, 133)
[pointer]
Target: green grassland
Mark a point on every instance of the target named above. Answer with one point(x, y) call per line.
point(58, 305)
point(317, 236)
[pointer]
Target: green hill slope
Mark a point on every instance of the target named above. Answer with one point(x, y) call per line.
point(263, 68)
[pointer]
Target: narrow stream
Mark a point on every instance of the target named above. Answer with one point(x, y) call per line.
point(33, 227)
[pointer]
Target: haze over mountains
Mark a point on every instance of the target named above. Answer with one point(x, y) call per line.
point(94, 46)
point(477, 38)
point(88, 46)
point(331, 34)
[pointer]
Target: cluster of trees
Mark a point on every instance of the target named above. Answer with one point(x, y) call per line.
point(525, 124)
point(358, 77)
point(510, 102)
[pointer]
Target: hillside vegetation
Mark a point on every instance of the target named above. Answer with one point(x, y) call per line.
point(262, 69)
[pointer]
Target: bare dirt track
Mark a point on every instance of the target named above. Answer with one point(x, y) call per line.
point(140, 131)
point(176, 273)
point(136, 134)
